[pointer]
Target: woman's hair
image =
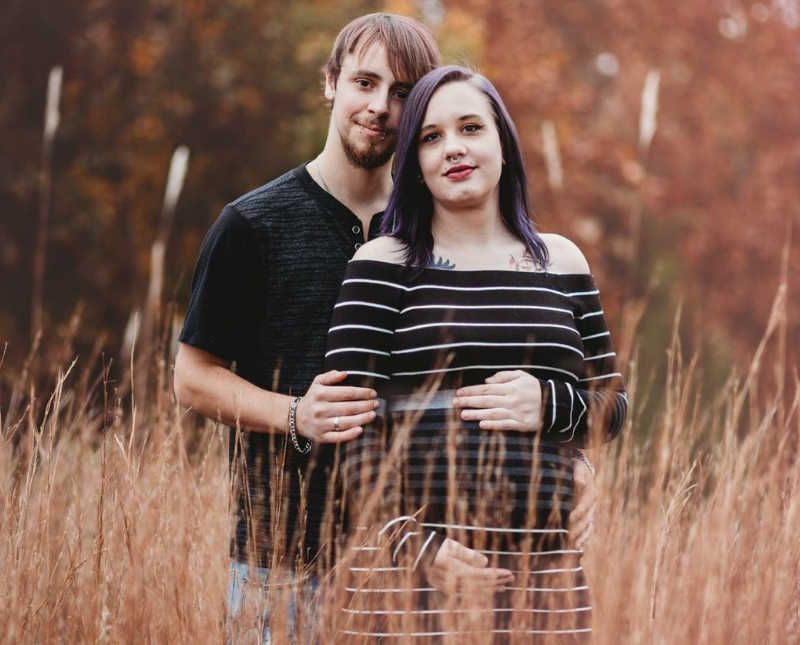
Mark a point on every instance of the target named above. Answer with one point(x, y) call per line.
point(410, 209)
point(410, 47)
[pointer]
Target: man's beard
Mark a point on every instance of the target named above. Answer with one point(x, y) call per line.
point(369, 158)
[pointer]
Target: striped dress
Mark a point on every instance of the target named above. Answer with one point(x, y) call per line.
point(419, 474)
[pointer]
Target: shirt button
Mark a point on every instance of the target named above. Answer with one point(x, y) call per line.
point(356, 230)
point(357, 245)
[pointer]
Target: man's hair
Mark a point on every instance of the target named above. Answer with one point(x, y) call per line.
point(410, 209)
point(410, 47)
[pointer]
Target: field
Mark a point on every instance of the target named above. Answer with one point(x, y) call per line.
point(114, 524)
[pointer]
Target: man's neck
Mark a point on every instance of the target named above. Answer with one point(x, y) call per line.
point(363, 191)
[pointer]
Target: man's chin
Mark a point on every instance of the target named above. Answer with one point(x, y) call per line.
point(369, 157)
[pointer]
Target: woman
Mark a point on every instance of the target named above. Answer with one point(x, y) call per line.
point(487, 342)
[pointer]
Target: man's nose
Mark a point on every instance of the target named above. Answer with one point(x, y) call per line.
point(379, 103)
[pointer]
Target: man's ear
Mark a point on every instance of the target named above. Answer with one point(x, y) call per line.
point(330, 87)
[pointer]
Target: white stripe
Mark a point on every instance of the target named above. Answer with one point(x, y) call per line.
point(553, 392)
point(367, 327)
point(366, 548)
point(571, 406)
point(451, 288)
point(381, 282)
point(422, 550)
point(558, 309)
point(595, 378)
point(581, 588)
point(389, 590)
point(487, 367)
point(583, 293)
point(591, 314)
point(497, 529)
point(580, 416)
point(367, 569)
point(390, 523)
point(557, 552)
point(426, 612)
point(447, 345)
point(605, 333)
point(361, 303)
point(363, 350)
point(594, 358)
point(375, 374)
point(458, 633)
point(403, 539)
point(464, 324)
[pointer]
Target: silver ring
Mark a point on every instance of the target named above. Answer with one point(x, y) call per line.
point(336, 423)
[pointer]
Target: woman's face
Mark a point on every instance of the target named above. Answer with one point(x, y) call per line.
point(459, 147)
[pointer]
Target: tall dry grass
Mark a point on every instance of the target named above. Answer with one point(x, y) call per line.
point(114, 524)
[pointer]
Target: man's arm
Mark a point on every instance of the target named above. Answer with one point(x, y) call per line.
point(205, 383)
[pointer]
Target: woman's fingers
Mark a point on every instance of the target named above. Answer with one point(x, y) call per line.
point(504, 424)
point(493, 414)
point(485, 401)
point(504, 377)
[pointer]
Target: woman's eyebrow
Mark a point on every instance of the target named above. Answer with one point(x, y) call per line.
point(466, 117)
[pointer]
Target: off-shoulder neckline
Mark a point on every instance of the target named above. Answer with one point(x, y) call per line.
point(478, 272)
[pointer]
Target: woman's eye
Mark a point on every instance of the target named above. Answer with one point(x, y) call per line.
point(429, 137)
point(472, 127)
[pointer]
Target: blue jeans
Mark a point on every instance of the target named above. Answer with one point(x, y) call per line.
point(251, 596)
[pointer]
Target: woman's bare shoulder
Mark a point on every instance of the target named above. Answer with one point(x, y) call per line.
point(382, 249)
point(565, 256)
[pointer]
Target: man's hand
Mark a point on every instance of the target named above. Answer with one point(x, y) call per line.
point(507, 401)
point(330, 413)
point(457, 569)
point(581, 519)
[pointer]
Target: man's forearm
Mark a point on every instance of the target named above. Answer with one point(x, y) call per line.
point(217, 393)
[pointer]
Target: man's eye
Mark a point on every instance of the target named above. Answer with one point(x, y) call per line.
point(363, 82)
point(401, 94)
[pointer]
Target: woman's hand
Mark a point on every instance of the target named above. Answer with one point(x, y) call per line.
point(507, 401)
point(581, 518)
point(457, 569)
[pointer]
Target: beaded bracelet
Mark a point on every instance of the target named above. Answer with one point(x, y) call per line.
point(293, 428)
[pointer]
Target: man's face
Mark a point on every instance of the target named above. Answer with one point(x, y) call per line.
point(367, 103)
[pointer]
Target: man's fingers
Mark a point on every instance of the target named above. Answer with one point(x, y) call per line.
point(341, 435)
point(337, 393)
point(330, 378)
point(350, 408)
point(485, 401)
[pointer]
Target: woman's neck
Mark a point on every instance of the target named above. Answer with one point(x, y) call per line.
point(464, 228)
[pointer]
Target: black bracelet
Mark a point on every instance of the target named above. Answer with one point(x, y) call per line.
point(293, 428)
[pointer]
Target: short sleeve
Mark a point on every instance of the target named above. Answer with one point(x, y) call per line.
point(228, 289)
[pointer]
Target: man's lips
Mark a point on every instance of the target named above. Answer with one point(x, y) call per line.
point(459, 172)
point(373, 130)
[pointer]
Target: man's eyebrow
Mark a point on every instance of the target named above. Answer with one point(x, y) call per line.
point(367, 73)
point(466, 117)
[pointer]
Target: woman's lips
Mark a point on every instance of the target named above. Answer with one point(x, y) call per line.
point(457, 173)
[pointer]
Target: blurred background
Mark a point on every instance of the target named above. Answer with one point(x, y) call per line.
point(664, 138)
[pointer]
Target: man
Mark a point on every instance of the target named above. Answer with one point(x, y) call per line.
point(264, 288)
